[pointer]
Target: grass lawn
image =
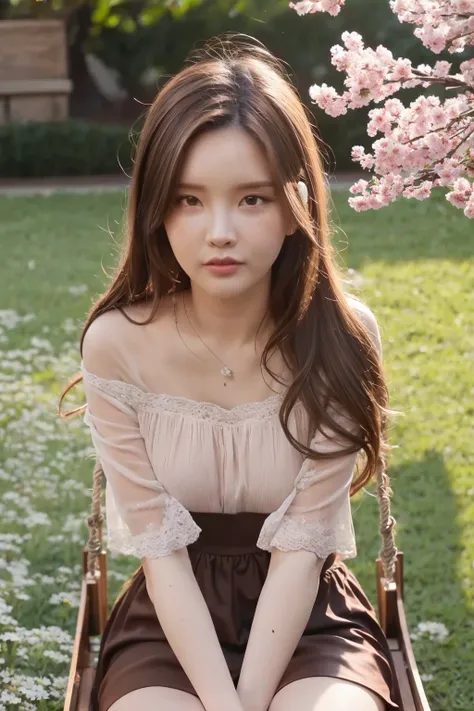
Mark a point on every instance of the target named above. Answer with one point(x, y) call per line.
point(413, 263)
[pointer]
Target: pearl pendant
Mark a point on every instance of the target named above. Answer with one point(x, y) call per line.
point(227, 372)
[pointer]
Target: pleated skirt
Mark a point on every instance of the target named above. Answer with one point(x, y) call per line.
point(342, 639)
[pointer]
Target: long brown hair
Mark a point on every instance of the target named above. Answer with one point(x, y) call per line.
point(236, 81)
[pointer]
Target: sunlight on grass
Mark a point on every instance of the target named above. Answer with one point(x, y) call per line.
point(412, 263)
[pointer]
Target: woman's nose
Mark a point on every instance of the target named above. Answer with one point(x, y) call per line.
point(221, 231)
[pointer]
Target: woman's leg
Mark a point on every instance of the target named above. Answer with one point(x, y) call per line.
point(154, 698)
point(324, 693)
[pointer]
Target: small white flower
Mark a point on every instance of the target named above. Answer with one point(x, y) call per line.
point(78, 289)
point(56, 656)
point(6, 697)
point(69, 326)
point(435, 631)
point(354, 278)
point(71, 598)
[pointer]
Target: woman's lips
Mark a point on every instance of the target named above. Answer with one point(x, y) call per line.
point(223, 269)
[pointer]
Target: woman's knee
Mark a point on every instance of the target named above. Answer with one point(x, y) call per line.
point(324, 694)
point(157, 698)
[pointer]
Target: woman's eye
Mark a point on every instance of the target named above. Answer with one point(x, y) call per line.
point(187, 200)
point(191, 201)
point(253, 198)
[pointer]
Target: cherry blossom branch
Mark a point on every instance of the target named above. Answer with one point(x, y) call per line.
point(445, 128)
point(448, 81)
point(429, 143)
point(438, 20)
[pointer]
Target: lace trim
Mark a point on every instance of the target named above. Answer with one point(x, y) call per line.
point(311, 535)
point(177, 531)
point(139, 399)
point(272, 522)
point(290, 533)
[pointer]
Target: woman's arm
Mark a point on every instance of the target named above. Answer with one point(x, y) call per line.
point(151, 524)
point(187, 624)
point(283, 610)
point(313, 522)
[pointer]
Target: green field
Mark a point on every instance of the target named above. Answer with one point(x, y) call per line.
point(413, 263)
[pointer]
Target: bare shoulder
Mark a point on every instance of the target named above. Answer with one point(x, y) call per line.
point(366, 315)
point(117, 337)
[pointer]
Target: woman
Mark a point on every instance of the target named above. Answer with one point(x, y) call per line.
point(231, 385)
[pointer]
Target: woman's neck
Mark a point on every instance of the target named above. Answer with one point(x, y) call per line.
point(229, 324)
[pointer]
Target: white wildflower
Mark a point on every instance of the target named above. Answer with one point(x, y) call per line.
point(426, 677)
point(435, 631)
point(78, 290)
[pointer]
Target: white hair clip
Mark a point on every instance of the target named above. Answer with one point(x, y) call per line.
point(303, 191)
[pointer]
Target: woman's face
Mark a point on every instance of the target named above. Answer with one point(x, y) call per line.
point(226, 207)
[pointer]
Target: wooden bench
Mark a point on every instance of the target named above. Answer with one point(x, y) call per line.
point(34, 83)
point(34, 99)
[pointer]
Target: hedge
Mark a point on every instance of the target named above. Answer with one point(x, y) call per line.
point(78, 148)
point(67, 148)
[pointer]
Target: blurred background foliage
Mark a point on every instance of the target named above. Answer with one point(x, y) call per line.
point(143, 42)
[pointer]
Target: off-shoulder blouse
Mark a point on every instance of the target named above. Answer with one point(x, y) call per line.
point(165, 456)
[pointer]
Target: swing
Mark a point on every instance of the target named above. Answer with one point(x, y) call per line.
point(92, 615)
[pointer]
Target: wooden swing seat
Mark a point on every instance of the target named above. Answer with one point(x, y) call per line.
point(92, 618)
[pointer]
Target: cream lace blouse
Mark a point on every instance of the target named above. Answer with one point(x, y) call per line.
point(164, 456)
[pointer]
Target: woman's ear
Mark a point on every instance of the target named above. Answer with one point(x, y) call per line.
point(291, 229)
point(291, 224)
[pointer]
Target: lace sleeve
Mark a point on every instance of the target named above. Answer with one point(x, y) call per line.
point(145, 520)
point(316, 516)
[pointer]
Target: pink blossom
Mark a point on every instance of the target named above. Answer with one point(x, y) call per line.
point(441, 23)
point(435, 38)
point(380, 121)
point(461, 185)
point(394, 107)
point(448, 170)
point(359, 187)
point(442, 69)
point(339, 58)
point(462, 193)
point(430, 142)
point(467, 70)
point(352, 41)
point(469, 209)
point(457, 200)
point(402, 70)
point(420, 192)
point(333, 7)
point(327, 98)
point(463, 6)
point(360, 204)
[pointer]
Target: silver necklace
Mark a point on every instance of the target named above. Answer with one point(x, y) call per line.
point(225, 370)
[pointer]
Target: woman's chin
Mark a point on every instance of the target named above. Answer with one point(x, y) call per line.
point(223, 287)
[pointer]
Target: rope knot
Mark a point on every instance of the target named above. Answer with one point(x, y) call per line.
point(95, 520)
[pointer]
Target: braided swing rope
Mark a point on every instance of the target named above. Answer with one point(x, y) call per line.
point(387, 523)
point(388, 553)
point(94, 523)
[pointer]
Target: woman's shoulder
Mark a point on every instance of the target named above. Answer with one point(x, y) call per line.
point(367, 316)
point(115, 339)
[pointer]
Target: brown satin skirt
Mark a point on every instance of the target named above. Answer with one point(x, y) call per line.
point(342, 638)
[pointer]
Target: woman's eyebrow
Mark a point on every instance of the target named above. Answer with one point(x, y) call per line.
point(241, 186)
